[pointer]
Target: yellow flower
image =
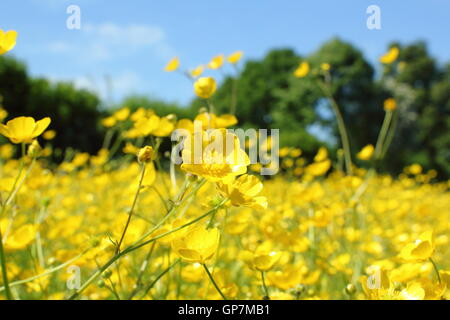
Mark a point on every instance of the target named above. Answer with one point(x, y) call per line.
point(390, 56)
point(415, 169)
point(325, 66)
point(318, 168)
point(390, 104)
point(366, 152)
point(7, 41)
point(263, 258)
point(121, 114)
point(21, 238)
point(205, 87)
point(235, 57)
point(321, 155)
point(264, 262)
point(24, 129)
point(109, 122)
point(130, 148)
point(243, 192)
point(302, 70)
point(172, 65)
point(198, 245)
point(215, 164)
point(413, 291)
point(165, 127)
point(49, 134)
point(3, 112)
point(197, 72)
point(145, 154)
point(419, 250)
point(216, 62)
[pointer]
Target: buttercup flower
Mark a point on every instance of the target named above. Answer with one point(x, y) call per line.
point(390, 104)
point(198, 245)
point(7, 41)
point(200, 157)
point(366, 153)
point(302, 70)
point(390, 56)
point(172, 65)
point(205, 87)
point(24, 129)
point(243, 192)
point(216, 62)
point(197, 72)
point(235, 57)
point(421, 249)
point(145, 154)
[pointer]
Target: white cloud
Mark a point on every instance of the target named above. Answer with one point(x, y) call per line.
point(131, 35)
point(107, 41)
point(107, 87)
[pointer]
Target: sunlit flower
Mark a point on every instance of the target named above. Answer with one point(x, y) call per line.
point(145, 154)
point(7, 41)
point(302, 70)
point(197, 72)
point(390, 56)
point(421, 249)
point(172, 65)
point(214, 160)
point(366, 153)
point(205, 87)
point(49, 135)
point(24, 129)
point(198, 245)
point(244, 191)
point(235, 57)
point(216, 62)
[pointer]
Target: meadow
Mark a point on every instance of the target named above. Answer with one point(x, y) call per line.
point(129, 223)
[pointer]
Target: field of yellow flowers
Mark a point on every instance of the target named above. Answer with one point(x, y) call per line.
point(121, 227)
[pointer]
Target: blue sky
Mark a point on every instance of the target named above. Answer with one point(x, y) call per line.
point(131, 41)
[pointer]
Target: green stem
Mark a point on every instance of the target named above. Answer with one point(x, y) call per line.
point(46, 273)
point(130, 214)
point(390, 135)
point(266, 290)
point(341, 127)
point(382, 136)
point(4, 270)
point(214, 282)
point(436, 270)
point(135, 246)
point(152, 284)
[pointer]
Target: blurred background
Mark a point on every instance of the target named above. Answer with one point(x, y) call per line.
point(117, 58)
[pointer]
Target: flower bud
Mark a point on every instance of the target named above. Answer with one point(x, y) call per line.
point(145, 154)
point(34, 150)
point(350, 289)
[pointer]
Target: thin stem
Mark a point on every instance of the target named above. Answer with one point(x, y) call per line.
point(390, 135)
point(266, 291)
point(214, 282)
point(152, 284)
point(130, 214)
point(341, 127)
point(4, 270)
point(46, 273)
point(382, 136)
point(135, 246)
point(436, 270)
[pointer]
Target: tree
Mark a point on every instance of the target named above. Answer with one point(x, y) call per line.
point(75, 113)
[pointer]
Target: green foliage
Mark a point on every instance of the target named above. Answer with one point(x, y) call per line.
point(75, 113)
